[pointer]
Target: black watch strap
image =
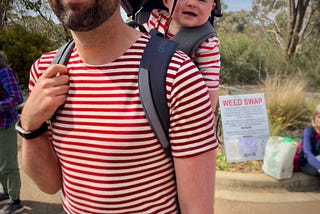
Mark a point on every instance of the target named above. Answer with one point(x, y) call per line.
point(31, 135)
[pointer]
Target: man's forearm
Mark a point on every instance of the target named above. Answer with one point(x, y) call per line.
point(41, 164)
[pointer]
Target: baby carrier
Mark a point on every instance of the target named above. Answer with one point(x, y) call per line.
point(139, 10)
point(189, 39)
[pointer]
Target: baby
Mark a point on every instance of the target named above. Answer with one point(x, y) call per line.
point(188, 14)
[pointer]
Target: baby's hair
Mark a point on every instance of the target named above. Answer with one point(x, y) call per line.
point(317, 111)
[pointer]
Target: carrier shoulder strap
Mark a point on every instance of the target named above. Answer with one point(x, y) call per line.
point(62, 57)
point(190, 39)
point(152, 85)
point(151, 82)
point(63, 54)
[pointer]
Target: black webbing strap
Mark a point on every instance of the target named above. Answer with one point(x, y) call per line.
point(152, 85)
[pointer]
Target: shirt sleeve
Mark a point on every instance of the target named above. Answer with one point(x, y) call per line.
point(207, 58)
point(308, 135)
point(158, 20)
point(12, 93)
point(192, 120)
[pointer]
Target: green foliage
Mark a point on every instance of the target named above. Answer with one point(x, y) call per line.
point(233, 22)
point(250, 55)
point(240, 59)
point(22, 48)
point(221, 161)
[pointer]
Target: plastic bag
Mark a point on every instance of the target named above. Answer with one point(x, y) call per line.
point(278, 157)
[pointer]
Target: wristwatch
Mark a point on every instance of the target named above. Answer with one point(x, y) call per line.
point(31, 135)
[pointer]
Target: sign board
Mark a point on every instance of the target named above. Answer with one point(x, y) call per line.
point(245, 126)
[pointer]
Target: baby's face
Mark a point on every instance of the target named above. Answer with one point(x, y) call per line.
point(191, 13)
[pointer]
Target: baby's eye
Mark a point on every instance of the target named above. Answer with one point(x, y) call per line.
point(204, 1)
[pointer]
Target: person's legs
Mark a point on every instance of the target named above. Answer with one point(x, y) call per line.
point(4, 197)
point(308, 169)
point(9, 168)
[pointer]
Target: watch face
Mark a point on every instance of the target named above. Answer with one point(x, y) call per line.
point(20, 130)
point(30, 135)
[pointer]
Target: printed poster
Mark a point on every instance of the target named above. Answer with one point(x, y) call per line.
point(245, 126)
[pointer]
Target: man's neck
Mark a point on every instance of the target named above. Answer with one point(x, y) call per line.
point(106, 43)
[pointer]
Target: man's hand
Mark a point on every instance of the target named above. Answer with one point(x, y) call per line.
point(47, 95)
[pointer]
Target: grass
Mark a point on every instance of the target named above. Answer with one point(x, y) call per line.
point(287, 106)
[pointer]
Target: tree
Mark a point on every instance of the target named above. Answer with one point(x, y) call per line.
point(290, 21)
point(42, 10)
point(22, 48)
point(234, 22)
point(35, 15)
point(5, 7)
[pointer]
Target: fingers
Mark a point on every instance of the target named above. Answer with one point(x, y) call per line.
point(55, 70)
point(57, 95)
point(54, 81)
point(47, 95)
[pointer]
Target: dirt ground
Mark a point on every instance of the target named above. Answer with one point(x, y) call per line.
point(241, 207)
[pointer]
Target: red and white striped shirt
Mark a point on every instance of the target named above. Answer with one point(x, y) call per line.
point(111, 160)
point(207, 56)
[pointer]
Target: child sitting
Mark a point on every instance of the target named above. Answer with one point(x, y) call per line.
point(188, 14)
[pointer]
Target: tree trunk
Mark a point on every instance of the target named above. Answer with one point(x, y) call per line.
point(297, 17)
point(5, 6)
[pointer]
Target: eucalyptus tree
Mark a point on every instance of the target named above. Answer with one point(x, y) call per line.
point(34, 15)
point(5, 8)
point(290, 22)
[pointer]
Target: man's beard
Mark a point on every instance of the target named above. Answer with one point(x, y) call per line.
point(88, 19)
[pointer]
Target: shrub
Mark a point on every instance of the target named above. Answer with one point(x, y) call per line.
point(22, 48)
point(287, 106)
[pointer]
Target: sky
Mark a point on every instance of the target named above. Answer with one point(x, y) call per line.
point(233, 5)
point(236, 5)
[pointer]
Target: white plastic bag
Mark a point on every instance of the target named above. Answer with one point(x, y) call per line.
point(278, 157)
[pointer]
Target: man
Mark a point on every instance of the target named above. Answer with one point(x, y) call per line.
point(101, 151)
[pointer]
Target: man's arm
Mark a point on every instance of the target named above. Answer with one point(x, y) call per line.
point(209, 63)
point(39, 160)
point(41, 164)
point(195, 182)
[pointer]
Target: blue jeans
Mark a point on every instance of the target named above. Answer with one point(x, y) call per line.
point(310, 170)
